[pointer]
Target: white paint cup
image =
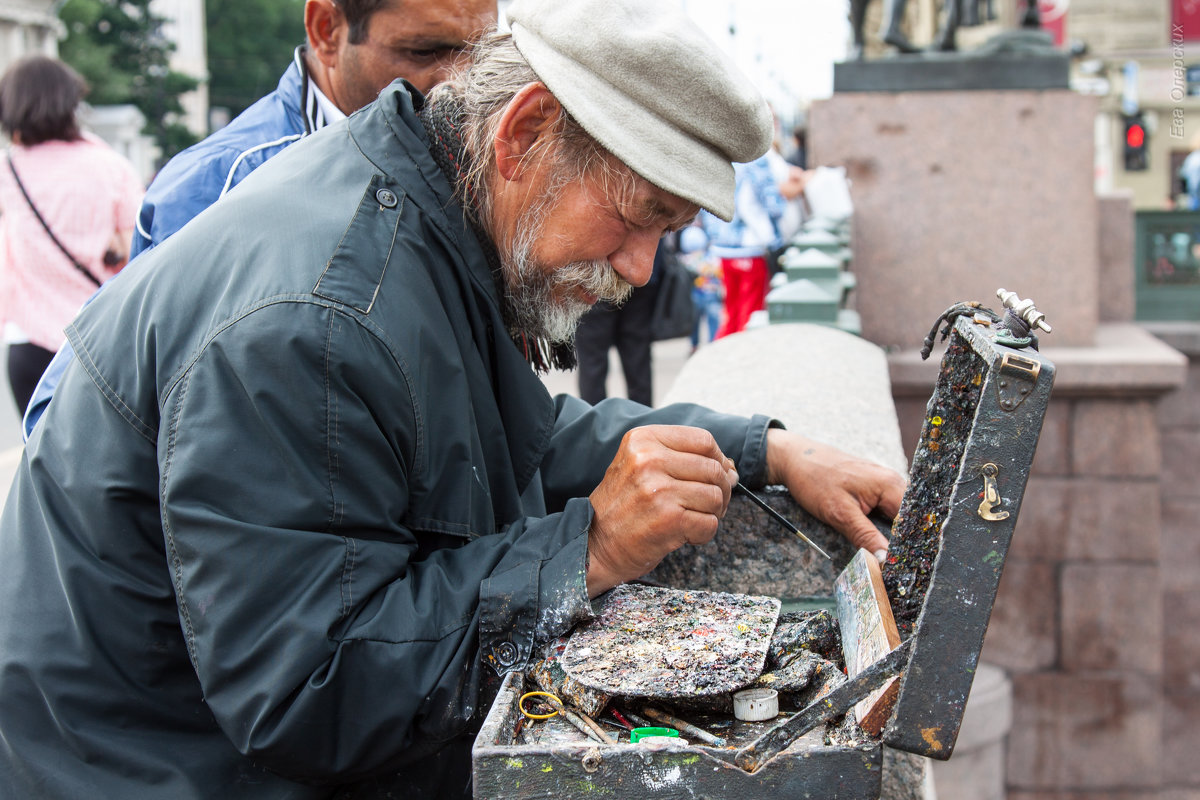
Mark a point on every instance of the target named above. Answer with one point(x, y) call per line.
point(755, 705)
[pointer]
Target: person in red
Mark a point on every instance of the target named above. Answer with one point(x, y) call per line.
point(741, 244)
point(67, 205)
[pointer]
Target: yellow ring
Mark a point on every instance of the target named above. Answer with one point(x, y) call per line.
point(521, 704)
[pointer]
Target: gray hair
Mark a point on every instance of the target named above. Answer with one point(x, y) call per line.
point(482, 91)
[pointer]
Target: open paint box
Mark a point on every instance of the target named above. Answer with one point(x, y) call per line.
point(948, 548)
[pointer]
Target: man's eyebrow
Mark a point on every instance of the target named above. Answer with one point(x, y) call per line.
point(651, 208)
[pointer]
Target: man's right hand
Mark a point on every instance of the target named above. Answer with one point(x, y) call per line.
point(669, 485)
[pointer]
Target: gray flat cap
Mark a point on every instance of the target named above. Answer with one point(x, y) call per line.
point(646, 83)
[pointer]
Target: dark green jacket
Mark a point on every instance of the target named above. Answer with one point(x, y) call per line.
point(299, 501)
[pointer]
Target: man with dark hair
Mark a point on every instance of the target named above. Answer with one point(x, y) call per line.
point(287, 542)
point(355, 48)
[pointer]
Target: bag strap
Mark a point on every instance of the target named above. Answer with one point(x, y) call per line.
point(49, 232)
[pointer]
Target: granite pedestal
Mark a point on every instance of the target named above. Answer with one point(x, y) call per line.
point(957, 193)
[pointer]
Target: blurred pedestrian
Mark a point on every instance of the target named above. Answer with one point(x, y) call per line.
point(791, 180)
point(628, 327)
point(742, 244)
point(1189, 173)
point(354, 49)
point(708, 295)
point(68, 203)
point(799, 155)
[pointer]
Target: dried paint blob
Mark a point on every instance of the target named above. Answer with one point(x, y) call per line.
point(654, 642)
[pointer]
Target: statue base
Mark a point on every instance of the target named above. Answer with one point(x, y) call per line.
point(959, 193)
point(1016, 59)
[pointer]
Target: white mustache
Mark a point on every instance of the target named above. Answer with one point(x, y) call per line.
point(597, 278)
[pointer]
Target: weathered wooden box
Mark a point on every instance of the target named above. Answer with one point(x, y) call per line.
point(948, 548)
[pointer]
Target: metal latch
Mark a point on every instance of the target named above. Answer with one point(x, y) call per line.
point(1018, 375)
point(991, 495)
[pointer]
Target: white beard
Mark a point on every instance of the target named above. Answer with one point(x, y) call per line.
point(542, 301)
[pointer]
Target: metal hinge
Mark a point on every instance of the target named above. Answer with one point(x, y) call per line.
point(1018, 376)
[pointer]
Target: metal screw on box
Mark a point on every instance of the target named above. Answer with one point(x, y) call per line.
point(1023, 310)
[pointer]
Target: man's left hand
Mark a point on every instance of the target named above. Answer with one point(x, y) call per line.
point(837, 488)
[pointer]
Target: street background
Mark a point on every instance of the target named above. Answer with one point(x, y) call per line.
point(10, 433)
point(668, 358)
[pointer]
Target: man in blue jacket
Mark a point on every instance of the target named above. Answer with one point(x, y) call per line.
point(355, 48)
point(302, 499)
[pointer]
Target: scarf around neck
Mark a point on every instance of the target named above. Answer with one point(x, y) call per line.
point(443, 122)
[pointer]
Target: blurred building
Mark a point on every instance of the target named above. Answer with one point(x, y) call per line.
point(28, 26)
point(186, 27)
point(32, 26)
point(1132, 54)
point(121, 127)
point(1135, 57)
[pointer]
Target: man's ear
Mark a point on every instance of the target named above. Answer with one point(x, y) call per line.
point(529, 117)
point(325, 25)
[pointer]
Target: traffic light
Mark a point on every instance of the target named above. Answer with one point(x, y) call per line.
point(1136, 142)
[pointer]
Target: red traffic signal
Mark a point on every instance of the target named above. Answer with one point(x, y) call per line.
point(1136, 144)
point(1135, 135)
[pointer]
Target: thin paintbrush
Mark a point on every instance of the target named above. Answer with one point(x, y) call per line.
point(758, 501)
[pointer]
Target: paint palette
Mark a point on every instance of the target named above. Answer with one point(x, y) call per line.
point(656, 642)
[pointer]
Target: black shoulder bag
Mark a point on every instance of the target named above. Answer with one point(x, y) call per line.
point(673, 306)
point(49, 232)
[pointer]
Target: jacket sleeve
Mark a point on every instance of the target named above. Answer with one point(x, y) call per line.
point(586, 439)
point(189, 183)
point(327, 646)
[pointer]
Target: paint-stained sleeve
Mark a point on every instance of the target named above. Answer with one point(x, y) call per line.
point(329, 644)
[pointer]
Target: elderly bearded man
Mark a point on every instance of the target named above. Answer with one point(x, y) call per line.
point(301, 499)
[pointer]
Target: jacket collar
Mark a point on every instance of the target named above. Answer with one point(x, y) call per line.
point(407, 146)
point(301, 96)
point(390, 135)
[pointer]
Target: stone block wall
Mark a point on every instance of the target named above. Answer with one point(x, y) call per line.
point(1179, 424)
point(1115, 245)
point(1085, 623)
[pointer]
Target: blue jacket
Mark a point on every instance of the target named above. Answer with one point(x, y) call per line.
point(758, 208)
point(195, 179)
point(299, 501)
point(199, 176)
